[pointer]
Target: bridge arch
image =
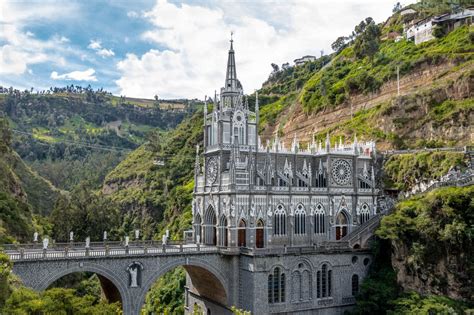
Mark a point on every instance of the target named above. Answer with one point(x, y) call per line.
point(213, 275)
point(95, 268)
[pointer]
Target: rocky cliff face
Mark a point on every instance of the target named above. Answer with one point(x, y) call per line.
point(445, 275)
point(419, 92)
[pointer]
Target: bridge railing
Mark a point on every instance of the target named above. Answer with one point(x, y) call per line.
point(100, 249)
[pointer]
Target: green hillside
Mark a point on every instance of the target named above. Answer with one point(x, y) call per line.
point(74, 134)
point(435, 107)
point(152, 196)
point(20, 189)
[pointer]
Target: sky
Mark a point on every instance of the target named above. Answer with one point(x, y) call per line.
point(172, 49)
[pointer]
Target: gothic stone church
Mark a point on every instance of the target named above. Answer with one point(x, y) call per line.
point(273, 203)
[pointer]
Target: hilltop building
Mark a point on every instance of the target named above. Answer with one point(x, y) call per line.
point(422, 31)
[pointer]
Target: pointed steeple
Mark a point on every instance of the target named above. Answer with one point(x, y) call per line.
point(231, 75)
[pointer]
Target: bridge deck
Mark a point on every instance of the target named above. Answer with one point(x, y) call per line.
point(59, 251)
point(31, 252)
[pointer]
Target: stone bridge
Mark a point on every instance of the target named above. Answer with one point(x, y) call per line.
point(127, 273)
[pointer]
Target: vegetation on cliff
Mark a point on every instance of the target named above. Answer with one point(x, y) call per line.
point(430, 266)
point(432, 239)
point(403, 171)
point(350, 73)
point(157, 197)
point(429, 118)
point(19, 187)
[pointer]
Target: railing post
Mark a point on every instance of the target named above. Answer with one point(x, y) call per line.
point(181, 247)
point(87, 251)
point(44, 252)
point(106, 250)
point(145, 250)
point(126, 249)
point(164, 248)
point(66, 251)
point(22, 253)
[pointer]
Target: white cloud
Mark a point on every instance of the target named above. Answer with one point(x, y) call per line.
point(86, 75)
point(105, 52)
point(20, 47)
point(96, 45)
point(196, 41)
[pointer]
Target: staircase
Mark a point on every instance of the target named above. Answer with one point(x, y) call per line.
point(365, 231)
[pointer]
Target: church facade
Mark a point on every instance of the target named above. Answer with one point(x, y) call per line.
point(271, 202)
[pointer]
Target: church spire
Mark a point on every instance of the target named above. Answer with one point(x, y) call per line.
point(231, 75)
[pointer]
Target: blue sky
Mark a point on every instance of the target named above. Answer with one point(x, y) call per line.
point(170, 48)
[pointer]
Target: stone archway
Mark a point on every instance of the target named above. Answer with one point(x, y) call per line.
point(106, 276)
point(208, 280)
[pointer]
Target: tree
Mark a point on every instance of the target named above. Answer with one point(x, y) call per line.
point(367, 43)
point(5, 271)
point(275, 67)
point(339, 44)
point(397, 7)
point(85, 214)
point(5, 136)
point(154, 141)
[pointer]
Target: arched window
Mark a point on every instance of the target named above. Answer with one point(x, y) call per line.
point(242, 237)
point(319, 223)
point(324, 282)
point(260, 234)
point(223, 235)
point(355, 284)
point(209, 227)
point(321, 176)
point(276, 286)
point(279, 221)
point(341, 225)
point(300, 220)
point(364, 214)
